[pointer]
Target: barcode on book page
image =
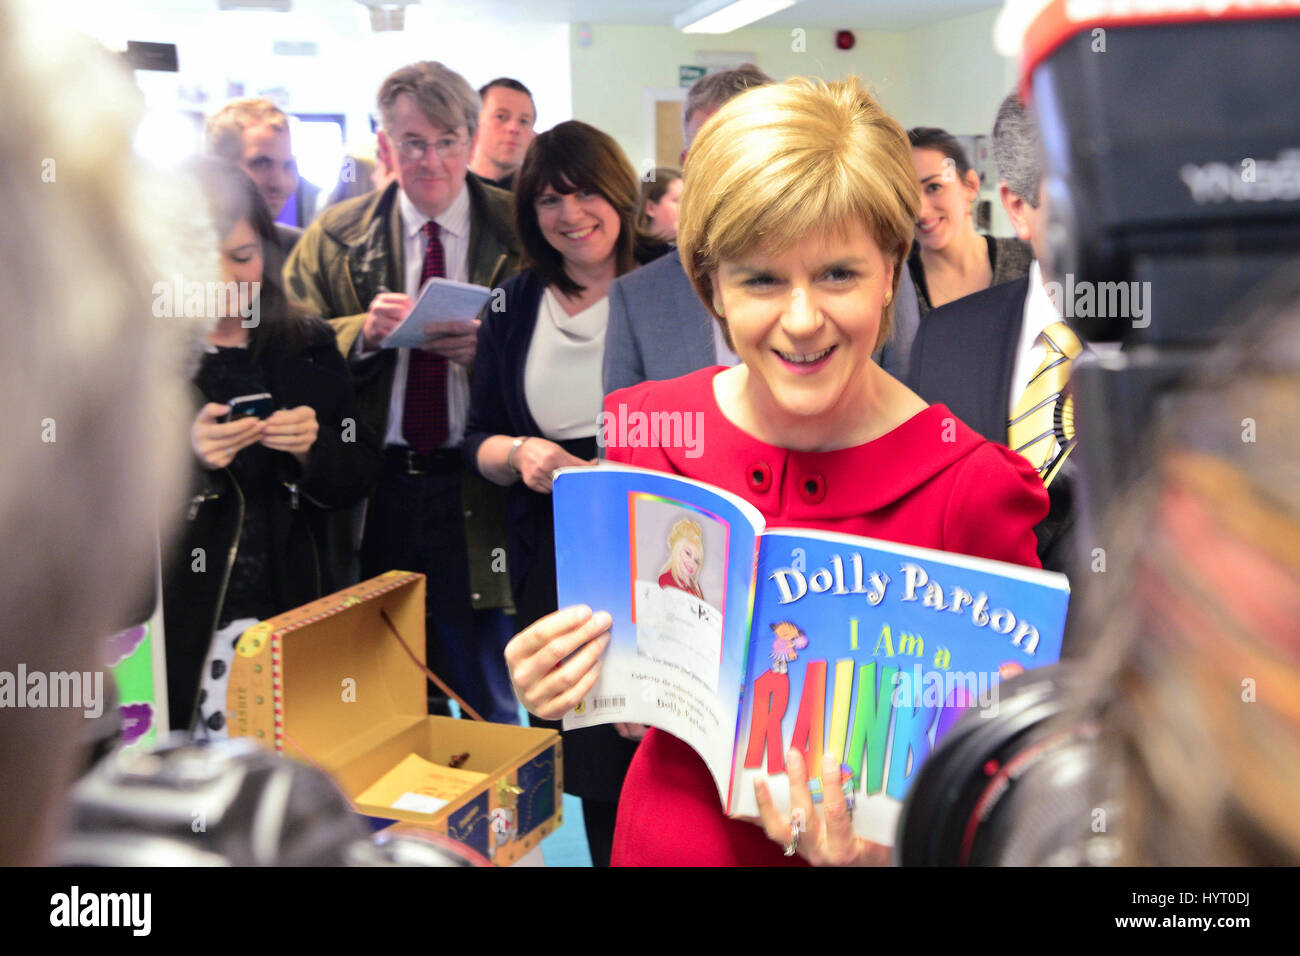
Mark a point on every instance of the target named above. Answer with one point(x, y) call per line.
point(605, 703)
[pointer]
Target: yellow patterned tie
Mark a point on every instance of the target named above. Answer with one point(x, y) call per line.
point(1042, 425)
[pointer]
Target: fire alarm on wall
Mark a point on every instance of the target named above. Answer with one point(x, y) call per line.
point(844, 39)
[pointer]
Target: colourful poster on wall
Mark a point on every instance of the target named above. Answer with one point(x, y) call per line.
point(137, 666)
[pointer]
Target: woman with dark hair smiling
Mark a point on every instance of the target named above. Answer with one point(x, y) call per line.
point(950, 259)
point(536, 395)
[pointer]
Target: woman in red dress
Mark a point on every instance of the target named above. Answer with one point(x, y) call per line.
point(685, 558)
point(796, 246)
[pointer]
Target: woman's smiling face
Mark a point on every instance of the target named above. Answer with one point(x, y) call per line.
point(945, 198)
point(805, 320)
point(581, 226)
point(688, 560)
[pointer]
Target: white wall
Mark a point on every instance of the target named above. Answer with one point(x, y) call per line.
point(216, 49)
point(946, 74)
point(621, 61)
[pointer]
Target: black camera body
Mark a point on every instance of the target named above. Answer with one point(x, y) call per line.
point(1172, 174)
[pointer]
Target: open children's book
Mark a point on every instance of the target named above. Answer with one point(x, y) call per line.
point(745, 641)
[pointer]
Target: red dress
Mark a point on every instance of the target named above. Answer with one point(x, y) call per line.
point(666, 580)
point(931, 482)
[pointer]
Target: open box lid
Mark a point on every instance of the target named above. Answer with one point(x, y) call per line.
point(329, 680)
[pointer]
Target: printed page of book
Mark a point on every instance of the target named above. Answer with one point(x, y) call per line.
point(871, 651)
point(672, 561)
point(440, 300)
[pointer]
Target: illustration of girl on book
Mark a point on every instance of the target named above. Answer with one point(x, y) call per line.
point(685, 557)
point(789, 641)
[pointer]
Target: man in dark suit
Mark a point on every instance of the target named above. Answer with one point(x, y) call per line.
point(658, 327)
point(988, 356)
point(360, 264)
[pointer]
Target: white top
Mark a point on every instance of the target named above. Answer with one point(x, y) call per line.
point(562, 383)
point(454, 223)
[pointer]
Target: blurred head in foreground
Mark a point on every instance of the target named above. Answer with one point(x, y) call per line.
point(90, 382)
point(1197, 669)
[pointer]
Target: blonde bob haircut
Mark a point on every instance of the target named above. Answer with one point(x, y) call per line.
point(780, 162)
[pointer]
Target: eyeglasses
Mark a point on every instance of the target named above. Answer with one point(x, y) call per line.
point(414, 150)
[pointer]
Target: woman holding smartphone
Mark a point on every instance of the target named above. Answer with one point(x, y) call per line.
point(254, 537)
point(795, 225)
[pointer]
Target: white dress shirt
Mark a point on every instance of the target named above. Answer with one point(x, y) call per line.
point(1040, 312)
point(455, 223)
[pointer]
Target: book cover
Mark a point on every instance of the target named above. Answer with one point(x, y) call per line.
point(744, 641)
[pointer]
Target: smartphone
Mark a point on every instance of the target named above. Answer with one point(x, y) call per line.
point(261, 405)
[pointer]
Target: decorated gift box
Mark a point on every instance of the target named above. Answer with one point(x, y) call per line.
point(339, 683)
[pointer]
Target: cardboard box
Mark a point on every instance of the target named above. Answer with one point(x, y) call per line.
point(329, 683)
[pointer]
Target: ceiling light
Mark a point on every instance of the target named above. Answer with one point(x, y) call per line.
point(277, 6)
point(723, 16)
point(387, 15)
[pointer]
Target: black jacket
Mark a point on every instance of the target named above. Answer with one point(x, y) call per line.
point(595, 758)
point(963, 357)
point(342, 467)
point(498, 406)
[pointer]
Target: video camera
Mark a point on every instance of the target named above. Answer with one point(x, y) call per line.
point(1172, 149)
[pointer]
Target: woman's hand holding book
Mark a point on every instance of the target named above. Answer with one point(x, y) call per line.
point(554, 662)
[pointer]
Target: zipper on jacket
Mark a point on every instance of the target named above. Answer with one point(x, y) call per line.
point(295, 503)
point(225, 583)
point(197, 502)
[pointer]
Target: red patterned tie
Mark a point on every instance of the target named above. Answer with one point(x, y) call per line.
point(424, 413)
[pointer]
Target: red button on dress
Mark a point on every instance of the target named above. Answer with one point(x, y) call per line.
point(760, 476)
point(812, 488)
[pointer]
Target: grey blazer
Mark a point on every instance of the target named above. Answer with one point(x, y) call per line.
point(658, 328)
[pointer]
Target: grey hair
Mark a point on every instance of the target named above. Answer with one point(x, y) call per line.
point(442, 94)
point(1016, 149)
point(714, 89)
point(225, 131)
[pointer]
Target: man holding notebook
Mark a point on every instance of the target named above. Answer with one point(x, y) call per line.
point(361, 265)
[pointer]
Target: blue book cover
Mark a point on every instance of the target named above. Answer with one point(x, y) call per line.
point(745, 641)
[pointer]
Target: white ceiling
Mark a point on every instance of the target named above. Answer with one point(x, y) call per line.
point(820, 14)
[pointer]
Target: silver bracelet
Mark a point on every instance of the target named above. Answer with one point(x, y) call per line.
point(510, 455)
